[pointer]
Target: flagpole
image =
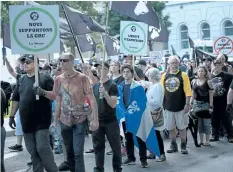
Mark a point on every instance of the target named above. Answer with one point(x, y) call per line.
point(193, 50)
point(105, 37)
point(72, 32)
point(3, 48)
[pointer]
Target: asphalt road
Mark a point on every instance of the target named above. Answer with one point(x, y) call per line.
point(216, 158)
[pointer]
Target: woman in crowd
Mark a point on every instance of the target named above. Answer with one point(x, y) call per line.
point(155, 97)
point(192, 71)
point(115, 73)
point(202, 102)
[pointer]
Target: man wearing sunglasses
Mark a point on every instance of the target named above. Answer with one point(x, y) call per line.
point(35, 116)
point(221, 83)
point(71, 89)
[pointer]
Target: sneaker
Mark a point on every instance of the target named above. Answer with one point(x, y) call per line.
point(144, 164)
point(64, 166)
point(128, 162)
point(161, 158)
point(90, 151)
point(230, 140)
point(16, 148)
point(110, 152)
point(183, 148)
point(214, 139)
point(173, 148)
point(29, 163)
point(151, 156)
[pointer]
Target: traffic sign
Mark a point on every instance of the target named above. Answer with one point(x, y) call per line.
point(34, 29)
point(223, 45)
point(133, 37)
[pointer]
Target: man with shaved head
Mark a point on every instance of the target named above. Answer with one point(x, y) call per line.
point(176, 103)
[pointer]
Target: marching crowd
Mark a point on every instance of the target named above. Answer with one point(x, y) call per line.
point(73, 101)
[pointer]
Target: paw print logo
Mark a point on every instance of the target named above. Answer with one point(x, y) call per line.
point(34, 16)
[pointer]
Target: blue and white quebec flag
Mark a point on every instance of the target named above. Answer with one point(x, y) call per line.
point(137, 117)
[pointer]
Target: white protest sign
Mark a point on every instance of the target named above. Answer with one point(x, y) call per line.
point(133, 37)
point(224, 45)
point(156, 56)
point(34, 29)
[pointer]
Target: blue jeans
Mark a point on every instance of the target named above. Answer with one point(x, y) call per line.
point(74, 138)
point(3, 138)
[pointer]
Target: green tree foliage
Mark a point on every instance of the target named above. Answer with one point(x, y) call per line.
point(86, 7)
point(5, 9)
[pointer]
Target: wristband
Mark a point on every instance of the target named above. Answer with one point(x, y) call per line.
point(11, 117)
point(210, 107)
point(44, 93)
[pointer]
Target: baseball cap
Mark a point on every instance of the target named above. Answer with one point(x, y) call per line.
point(27, 57)
point(100, 64)
point(142, 62)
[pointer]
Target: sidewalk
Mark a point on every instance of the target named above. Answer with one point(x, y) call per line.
point(9, 131)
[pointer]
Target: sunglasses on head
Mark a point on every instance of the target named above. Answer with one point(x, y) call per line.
point(64, 60)
point(27, 62)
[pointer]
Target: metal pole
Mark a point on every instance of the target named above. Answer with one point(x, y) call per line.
point(72, 32)
point(3, 48)
point(105, 38)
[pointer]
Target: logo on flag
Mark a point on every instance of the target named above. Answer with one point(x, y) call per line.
point(116, 45)
point(89, 39)
point(141, 8)
point(154, 32)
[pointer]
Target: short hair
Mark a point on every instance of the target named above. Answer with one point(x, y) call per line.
point(47, 67)
point(154, 74)
point(173, 58)
point(154, 65)
point(127, 66)
point(70, 55)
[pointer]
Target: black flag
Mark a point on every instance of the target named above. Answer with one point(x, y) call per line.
point(200, 54)
point(86, 43)
point(138, 10)
point(191, 43)
point(6, 36)
point(82, 23)
point(112, 46)
point(158, 35)
point(174, 52)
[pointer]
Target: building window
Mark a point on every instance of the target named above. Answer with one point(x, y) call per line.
point(228, 28)
point(205, 31)
point(184, 37)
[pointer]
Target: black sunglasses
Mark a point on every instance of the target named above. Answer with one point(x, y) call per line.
point(216, 63)
point(64, 60)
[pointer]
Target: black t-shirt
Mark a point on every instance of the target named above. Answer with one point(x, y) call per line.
point(3, 106)
point(126, 91)
point(221, 84)
point(35, 114)
point(201, 92)
point(118, 80)
point(107, 114)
